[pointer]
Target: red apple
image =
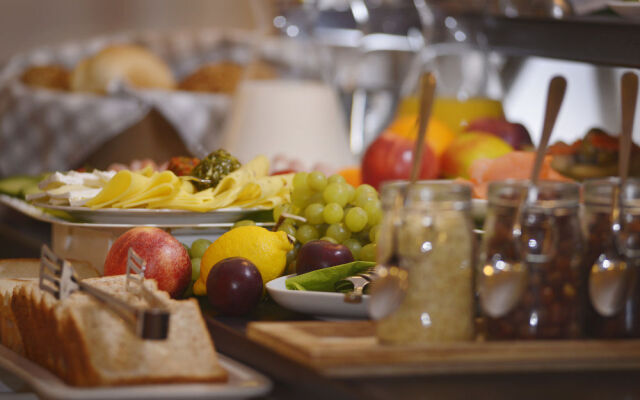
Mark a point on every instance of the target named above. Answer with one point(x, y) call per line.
point(389, 158)
point(514, 134)
point(167, 259)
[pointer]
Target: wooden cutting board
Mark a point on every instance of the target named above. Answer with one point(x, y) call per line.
point(350, 349)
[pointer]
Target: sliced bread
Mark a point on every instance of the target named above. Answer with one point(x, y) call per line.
point(87, 344)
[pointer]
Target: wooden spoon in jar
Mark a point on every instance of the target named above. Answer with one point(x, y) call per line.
point(609, 275)
point(503, 279)
point(389, 289)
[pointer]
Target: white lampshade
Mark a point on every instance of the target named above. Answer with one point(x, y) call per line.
point(299, 120)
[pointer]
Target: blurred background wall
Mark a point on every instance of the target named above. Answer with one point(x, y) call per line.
point(26, 24)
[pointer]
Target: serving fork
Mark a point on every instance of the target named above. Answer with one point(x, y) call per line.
point(360, 282)
point(58, 278)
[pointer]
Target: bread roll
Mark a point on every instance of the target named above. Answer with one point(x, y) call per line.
point(46, 76)
point(130, 64)
point(222, 77)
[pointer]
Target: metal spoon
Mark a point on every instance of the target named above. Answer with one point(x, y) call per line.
point(609, 275)
point(389, 290)
point(503, 279)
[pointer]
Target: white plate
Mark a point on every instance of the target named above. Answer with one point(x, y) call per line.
point(39, 214)
point(322, 304)
point(157, 217)
point(243, 383)
point(627, 9)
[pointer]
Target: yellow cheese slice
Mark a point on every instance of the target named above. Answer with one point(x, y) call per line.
point(161, 186)
point(268, 187)
point(125, 184)
point(254, 169)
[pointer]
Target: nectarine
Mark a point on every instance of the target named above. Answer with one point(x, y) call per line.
point(167, 260)
point(469, 147)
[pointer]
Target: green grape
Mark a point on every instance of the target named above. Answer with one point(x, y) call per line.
point(363, 198)
point(329, 239)
point(374, 233)
point(362, 236)
point(291, 256)
point(374, 211)
point(300, 196)
point(368, 252)
point(336, 193)
point(289, 229)
point(300, 180)
point(351, 192)
point(335, 178)
point(307, 233)
point(198, 247)
point(195, 268)
point(244, 222)
point(332, 213)
point(317, 181)
point(289, 221)
point(339, 232)
point(356, 219)
point(364, 188)
point(279, 209)
point(353, 245)
point(313, 213)
point(316, 198)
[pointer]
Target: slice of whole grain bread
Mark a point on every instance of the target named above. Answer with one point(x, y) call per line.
point(86, 344)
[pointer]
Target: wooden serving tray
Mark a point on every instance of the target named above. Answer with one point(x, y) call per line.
point(350, 349)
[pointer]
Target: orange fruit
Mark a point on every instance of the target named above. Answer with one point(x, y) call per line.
point(439, 136)
point(454, 113)
point(353, 176)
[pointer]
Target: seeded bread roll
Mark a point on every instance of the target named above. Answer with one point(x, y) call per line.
point(86, 344)
point(133, 65)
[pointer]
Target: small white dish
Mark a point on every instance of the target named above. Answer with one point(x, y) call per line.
point(321, 304)
point(626, 9)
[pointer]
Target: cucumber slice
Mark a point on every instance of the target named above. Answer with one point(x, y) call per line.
point(17, 186)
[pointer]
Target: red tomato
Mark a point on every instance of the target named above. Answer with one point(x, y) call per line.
point(389, 158)
point(283, 172)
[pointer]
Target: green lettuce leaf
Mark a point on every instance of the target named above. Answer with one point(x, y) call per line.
point(324, 280)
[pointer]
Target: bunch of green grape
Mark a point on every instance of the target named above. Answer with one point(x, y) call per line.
point(334, 211)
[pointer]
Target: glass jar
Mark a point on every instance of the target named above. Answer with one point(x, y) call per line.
point(429, 234)
point(530, 282)
point(624, 320)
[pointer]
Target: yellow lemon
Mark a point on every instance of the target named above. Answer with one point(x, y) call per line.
point(265, 249)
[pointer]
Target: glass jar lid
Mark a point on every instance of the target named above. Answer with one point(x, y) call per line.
point(599, 192)
point(551, 194)
point(441, 194)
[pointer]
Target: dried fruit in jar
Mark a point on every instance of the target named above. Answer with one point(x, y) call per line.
point(213, 168)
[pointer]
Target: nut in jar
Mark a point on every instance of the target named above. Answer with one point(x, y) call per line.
point(530, 281)
point(614, 293)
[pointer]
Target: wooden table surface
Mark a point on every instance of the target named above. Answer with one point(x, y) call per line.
point(294, 380)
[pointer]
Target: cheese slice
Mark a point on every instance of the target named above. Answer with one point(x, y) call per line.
point(248, 186)
point(125, 184)
point(161, 186)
